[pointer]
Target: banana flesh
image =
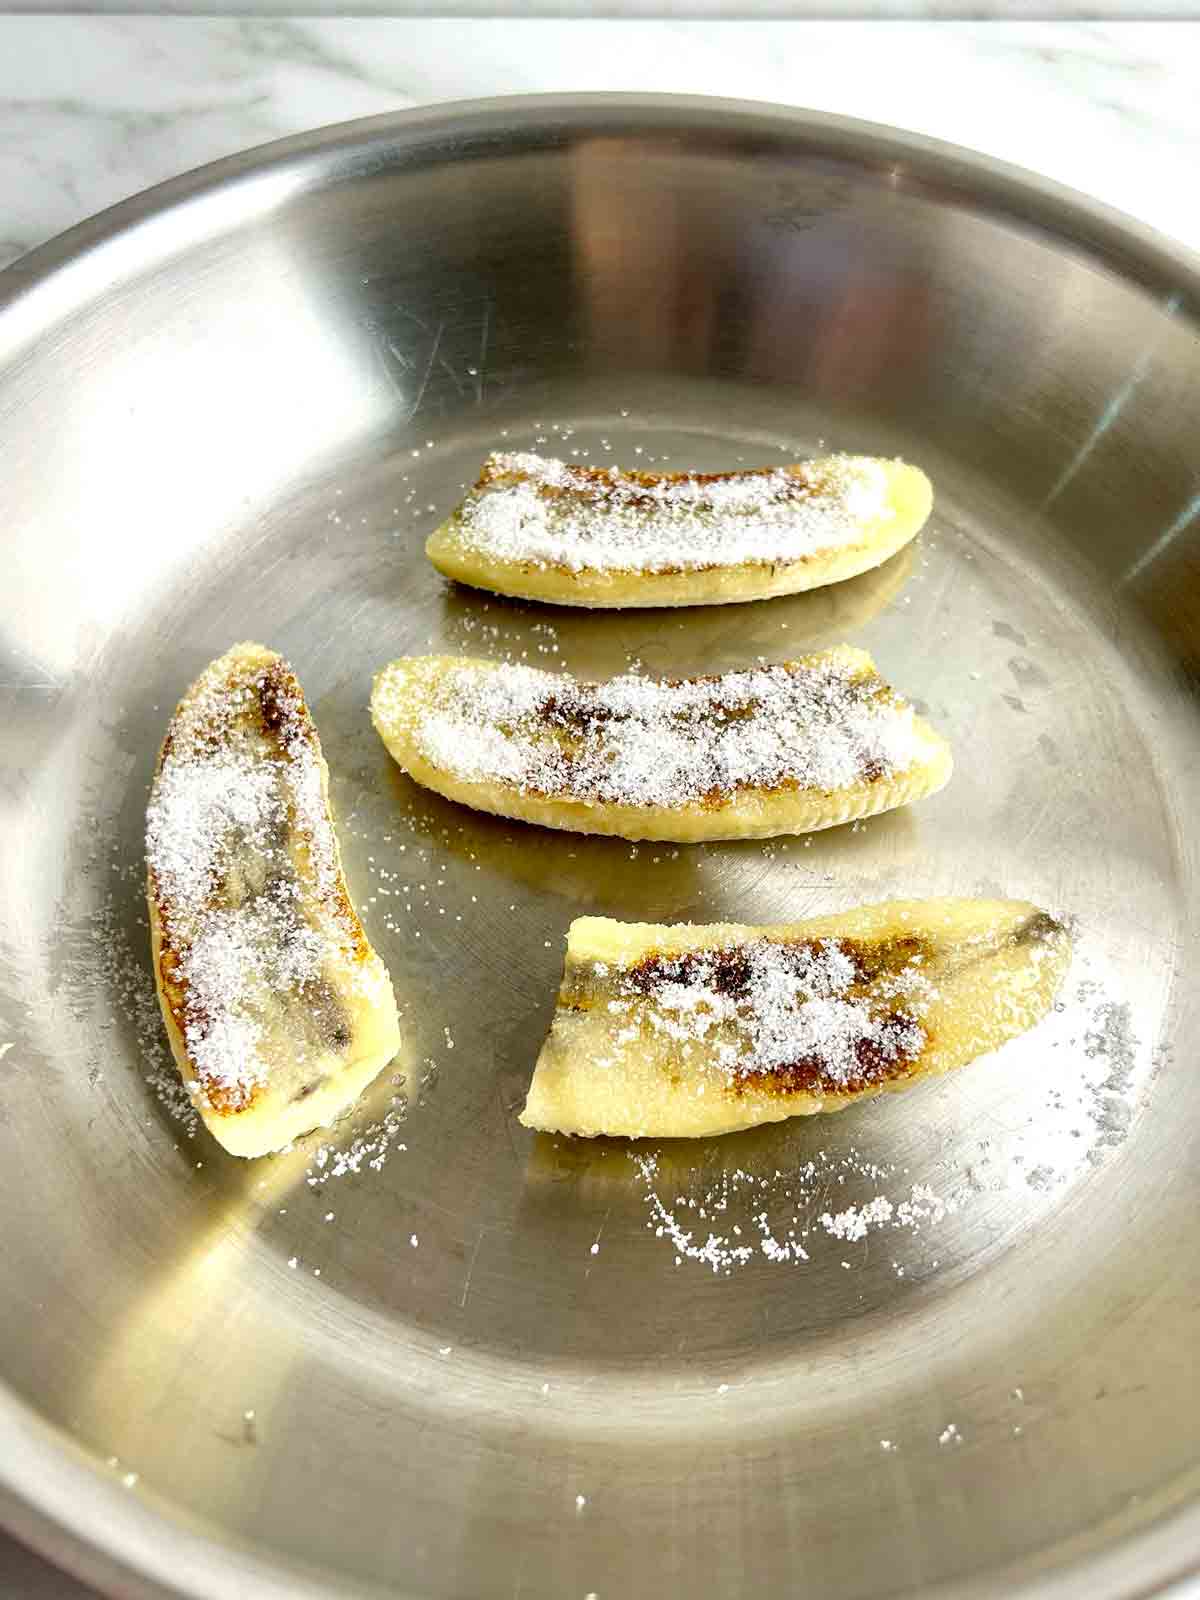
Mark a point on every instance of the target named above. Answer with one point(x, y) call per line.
point(686, 1031)
point(787, 748)
point(278, 1011)
point(547, 530)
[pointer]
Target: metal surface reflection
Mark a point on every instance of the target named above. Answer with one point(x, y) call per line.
point(490, 1364)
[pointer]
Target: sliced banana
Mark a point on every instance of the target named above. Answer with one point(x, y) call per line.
point(776, 749)
point(679, 1032)
point(548, 530)
point(278, 1010)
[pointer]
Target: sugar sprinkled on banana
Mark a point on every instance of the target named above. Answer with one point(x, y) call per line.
point(679, 1032)
point(542, 529)
point(775, 749)
point(278, 1010)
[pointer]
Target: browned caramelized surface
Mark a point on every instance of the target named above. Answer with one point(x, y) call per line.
point(264, 710)
point(876, 982)
point(822, 725)
point(644, 489)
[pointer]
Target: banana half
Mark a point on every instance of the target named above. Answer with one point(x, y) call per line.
point(278, 1010)
point(777, 749)
point(680, 1032)
point(541, 529)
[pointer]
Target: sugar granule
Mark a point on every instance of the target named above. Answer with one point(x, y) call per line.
point(534, 509)
point(782, 1207)
point(821, 724)
point(369, 1149)
point(768, 1004)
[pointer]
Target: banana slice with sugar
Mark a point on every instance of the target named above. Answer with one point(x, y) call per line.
point(775, 749)
point(278, 1010)
point(680, 1032)
point(541, 529)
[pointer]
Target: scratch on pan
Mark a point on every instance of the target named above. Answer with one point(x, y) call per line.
point(5, 1048)
point(483, 346)
point(436, 346)
point(470, 1269)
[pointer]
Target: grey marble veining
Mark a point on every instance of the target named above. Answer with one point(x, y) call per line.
point(92, 109)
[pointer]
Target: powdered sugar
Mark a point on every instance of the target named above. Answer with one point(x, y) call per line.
point(752, 1217)
point(856, 1222)
point(197, 804)
point(127, 981)
point(797, 1010)
point(369, 1149)
point(821, 724)
point(530, 508)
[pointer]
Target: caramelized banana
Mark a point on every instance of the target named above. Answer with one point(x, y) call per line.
point(278, 1010)
point(780, 749)
point(679, 1032)
point(593, 536)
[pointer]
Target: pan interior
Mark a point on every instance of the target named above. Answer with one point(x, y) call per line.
point(938, 1336)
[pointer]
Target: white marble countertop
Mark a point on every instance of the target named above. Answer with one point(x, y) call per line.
point(92, 109)
point(95, 108)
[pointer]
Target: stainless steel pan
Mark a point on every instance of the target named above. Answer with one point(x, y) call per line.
point(492, 1366)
